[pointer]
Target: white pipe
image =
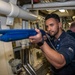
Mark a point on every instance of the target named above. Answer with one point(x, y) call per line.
point(55, 8)
point(51, 5)
point(12, 10)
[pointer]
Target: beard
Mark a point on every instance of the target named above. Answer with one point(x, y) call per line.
point(54, 33)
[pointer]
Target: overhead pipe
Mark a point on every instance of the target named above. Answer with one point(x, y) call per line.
point(12, 10)
point(51, 5)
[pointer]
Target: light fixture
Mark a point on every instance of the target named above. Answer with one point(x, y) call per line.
point(62, 10)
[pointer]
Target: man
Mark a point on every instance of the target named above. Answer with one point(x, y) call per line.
point(72, 27)
point(62, 58)
point(71, 31)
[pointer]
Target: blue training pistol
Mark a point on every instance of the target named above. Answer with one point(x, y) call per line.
point(17, 34)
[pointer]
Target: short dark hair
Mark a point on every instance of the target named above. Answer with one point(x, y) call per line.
point(52, 15)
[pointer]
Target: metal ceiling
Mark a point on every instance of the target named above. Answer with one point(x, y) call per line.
point(52, 5)
point(22, 2)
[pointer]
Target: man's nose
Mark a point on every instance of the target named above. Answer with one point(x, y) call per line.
point(49, 28)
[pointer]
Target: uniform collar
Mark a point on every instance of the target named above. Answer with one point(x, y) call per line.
point(57, 42)
point(62, 36)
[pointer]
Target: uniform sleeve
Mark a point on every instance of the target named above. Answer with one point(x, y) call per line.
point(68, 52)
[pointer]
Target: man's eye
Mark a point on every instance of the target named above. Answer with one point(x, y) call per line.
point(51, 24)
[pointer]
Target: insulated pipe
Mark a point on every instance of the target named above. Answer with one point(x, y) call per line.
point(51, 5)
point(12, 10)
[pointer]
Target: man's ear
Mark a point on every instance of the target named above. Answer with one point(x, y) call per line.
point(60, 25)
